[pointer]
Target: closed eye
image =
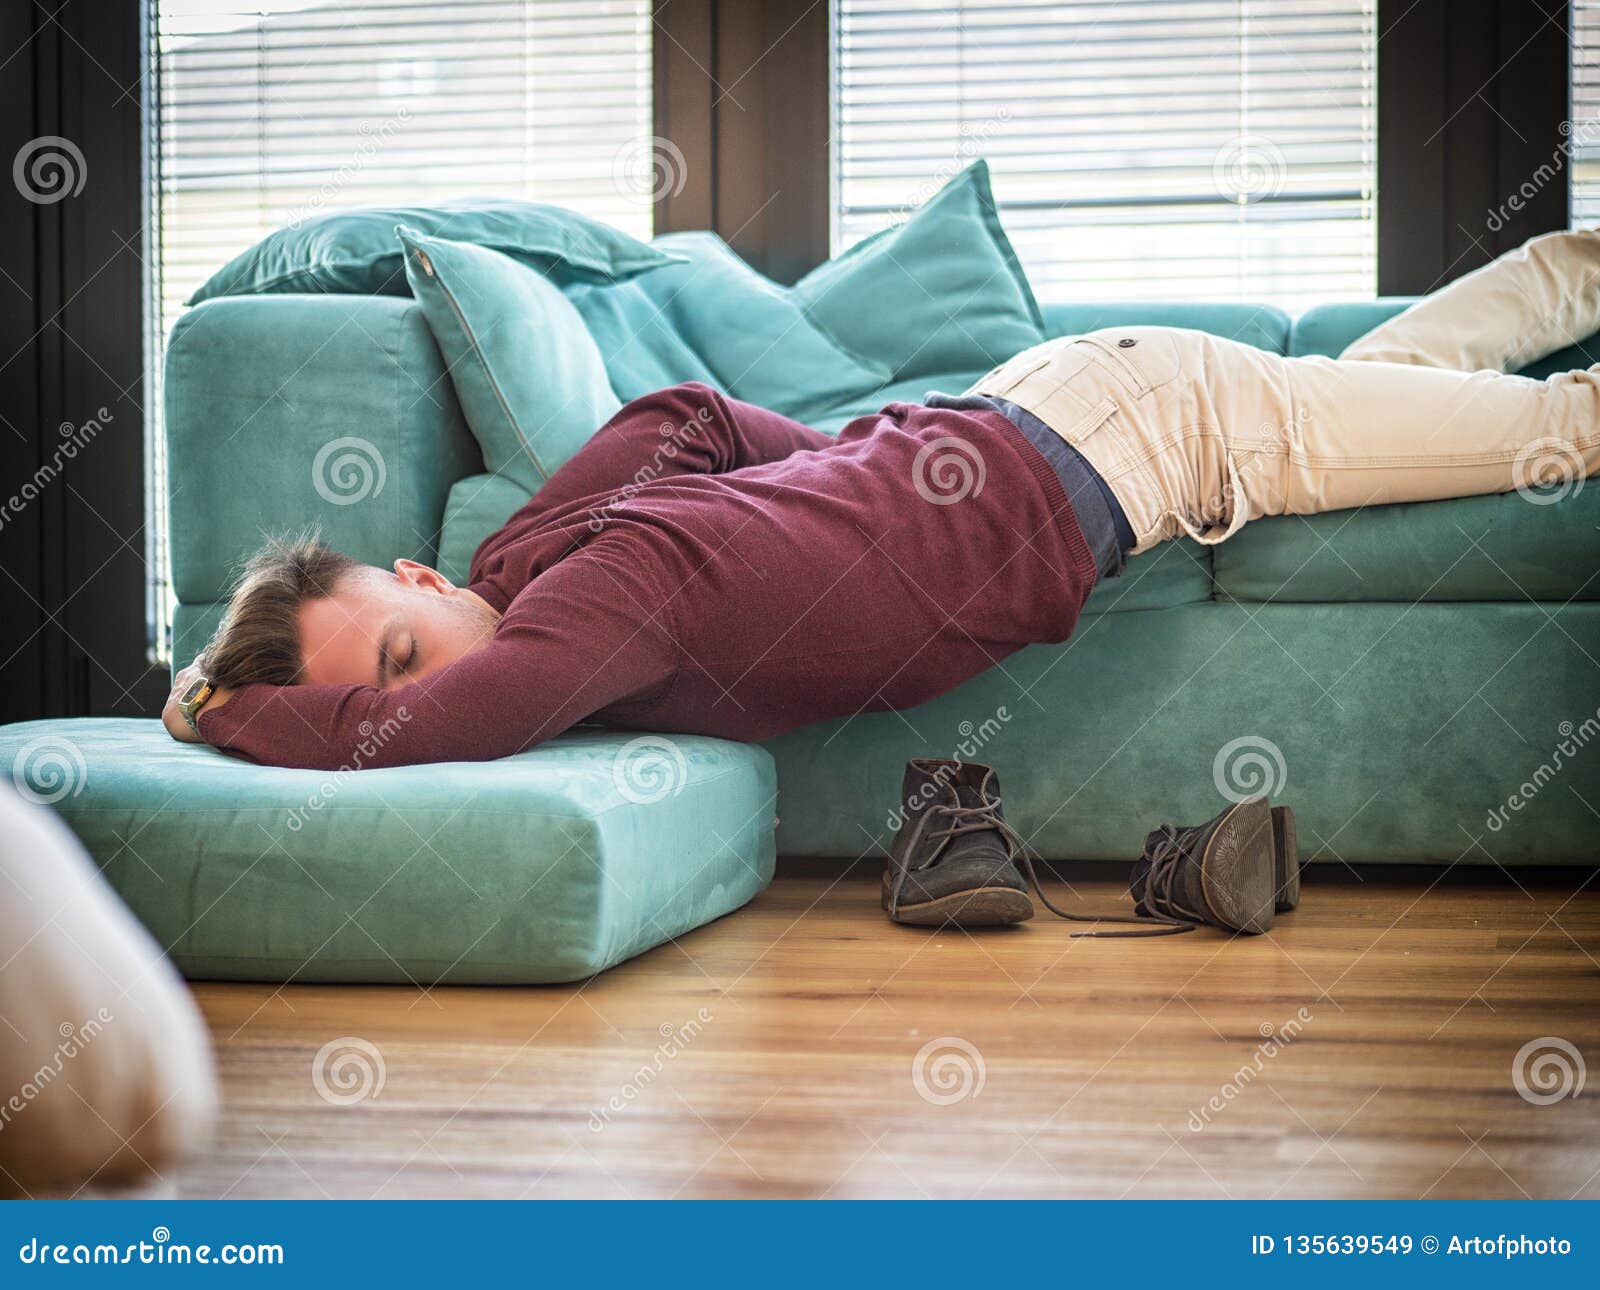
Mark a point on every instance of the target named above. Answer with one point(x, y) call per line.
point(388, 665)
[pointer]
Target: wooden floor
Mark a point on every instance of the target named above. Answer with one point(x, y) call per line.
point(1365, 1047)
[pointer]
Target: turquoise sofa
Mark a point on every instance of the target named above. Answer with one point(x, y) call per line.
point(1412, 667)
point(1420, 681)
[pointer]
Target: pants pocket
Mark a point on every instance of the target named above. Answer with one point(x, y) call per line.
point(1062, 357)
point(1067, 384)
point(1143, 358)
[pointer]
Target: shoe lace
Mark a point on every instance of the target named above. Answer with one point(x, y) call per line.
point(1165, 855)
point(940, 823)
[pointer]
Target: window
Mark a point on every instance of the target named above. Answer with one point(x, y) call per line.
point(1582, 141)
point(278, 110)
point(1143, 149)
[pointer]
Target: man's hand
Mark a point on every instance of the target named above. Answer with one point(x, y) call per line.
point(172, 717)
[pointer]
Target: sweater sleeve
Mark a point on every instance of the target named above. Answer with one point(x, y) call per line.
point(579, 638)
point(688, 429)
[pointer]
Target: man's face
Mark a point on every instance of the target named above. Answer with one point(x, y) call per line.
point(390, 629)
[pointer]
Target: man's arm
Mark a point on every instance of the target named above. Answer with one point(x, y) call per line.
point(687, 429)
point(579, 639)
point(172, 713)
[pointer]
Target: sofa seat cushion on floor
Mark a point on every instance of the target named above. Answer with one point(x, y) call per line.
point(548, 866)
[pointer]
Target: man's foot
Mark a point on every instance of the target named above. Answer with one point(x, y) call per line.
point(951, 858)
point(1222, 872)
point(1285, 860)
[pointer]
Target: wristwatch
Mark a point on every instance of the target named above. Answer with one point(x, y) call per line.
point(193, 699)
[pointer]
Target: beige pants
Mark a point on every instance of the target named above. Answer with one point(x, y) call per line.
point(1196, 434)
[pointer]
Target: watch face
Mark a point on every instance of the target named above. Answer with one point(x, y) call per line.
point(193, 692)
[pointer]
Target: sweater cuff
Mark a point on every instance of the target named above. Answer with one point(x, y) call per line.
point(220, 727)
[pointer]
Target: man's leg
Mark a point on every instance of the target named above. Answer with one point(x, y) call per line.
point(1530, 302)
point(1369, 433)
point(1196, 434)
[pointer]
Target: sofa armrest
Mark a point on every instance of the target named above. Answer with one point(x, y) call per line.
point(284, 412)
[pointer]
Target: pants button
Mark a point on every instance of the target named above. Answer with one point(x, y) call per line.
point(1127, 342)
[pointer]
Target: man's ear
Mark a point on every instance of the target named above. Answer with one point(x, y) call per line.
point(423, 578)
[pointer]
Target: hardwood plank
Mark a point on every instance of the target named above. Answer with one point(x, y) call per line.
point(1097, 1059)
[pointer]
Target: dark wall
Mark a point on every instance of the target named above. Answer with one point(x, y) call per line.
point(1471, 99)
point(741, 97)
point(72, 567)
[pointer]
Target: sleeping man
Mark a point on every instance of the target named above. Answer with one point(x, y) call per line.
point(768, 576)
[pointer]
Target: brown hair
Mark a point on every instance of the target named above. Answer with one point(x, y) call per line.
point(259, 639)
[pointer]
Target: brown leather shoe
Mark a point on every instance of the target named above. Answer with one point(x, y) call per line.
point(1222, 873)
point(951, 858)
point(955, 860)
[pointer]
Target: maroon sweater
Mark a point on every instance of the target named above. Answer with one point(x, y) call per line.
point(708, 566)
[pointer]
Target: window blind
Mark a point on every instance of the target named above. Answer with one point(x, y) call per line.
point(1582, 143)
point(1142, 149)
point(274, 112)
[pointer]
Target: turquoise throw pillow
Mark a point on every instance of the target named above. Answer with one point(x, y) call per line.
point(942, 292)
point(354, 251)
point(476, 507)
point(713, 318)
point(525, 369)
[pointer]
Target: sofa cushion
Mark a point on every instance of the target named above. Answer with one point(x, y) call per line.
point(1329, 329)
point(1511, 547)
point(525, 369)
point(1264, 326)
point(1173, 573)
point(942, 292)
point(288, 411)
point(1502, 547)
point(714, 319)
point(1437, 732)
point(548, 866)
point(477, 506)
point(355, 251)
point(909, 389)
point(193, 624)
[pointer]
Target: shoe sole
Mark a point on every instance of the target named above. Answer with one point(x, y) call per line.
point(1285, 859)
point(1238, 870)
point(979, 907)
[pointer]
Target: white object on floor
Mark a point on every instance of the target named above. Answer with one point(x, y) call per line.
point(106, 1074)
